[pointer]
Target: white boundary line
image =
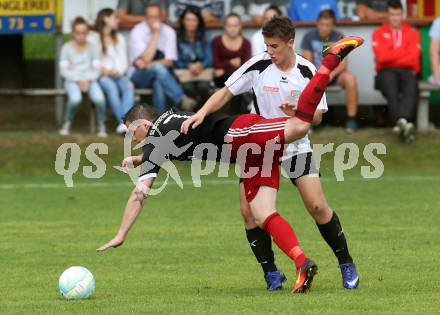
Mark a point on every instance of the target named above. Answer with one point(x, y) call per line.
point(204, 182)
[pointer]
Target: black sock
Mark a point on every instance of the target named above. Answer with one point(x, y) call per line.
point(334, 236)
point(261, 245)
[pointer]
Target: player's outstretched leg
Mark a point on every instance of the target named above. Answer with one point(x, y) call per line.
point(263, 209)
point(298, 126)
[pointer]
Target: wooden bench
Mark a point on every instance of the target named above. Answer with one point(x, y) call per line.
point(59, 102)
point(423, 124)
point(425, 89)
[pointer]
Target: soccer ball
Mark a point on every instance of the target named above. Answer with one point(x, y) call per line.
point(76, 283)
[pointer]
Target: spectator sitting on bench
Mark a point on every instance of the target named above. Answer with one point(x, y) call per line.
point(114, 63)
point(434, 52)
point(153, 50)
point(230, 49)
point(396, 47)
point(79, 66)
point(194, 63)
point(312, 46)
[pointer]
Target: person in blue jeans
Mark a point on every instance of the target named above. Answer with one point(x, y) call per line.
point(80, 67)
point(114, 64)
point(153, 50)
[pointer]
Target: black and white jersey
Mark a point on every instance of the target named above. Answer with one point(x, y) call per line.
point(271, 87)
point(164, 141)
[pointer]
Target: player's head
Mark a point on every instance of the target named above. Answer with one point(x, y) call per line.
point(80, 29)
point(279, 37)
point(139, 119)
point(153, 13)
point(326, 23)
point(395, 13)
point(271, 11)
point(232, 25)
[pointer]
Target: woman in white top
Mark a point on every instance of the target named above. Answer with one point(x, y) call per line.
point(117, 87)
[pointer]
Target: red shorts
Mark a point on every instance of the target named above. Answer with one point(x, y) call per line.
point(257, 145)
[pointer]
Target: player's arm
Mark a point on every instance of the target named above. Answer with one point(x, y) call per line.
point(290, 110)
point(132, 210)
point(214, 103)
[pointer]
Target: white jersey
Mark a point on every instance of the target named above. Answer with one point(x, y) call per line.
point(271, 87)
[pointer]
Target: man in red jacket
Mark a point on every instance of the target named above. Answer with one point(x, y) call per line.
point(396, 47)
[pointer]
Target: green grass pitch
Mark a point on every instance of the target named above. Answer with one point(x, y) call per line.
point(187, 253)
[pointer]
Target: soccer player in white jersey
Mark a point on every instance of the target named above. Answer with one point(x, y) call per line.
point(278, 77)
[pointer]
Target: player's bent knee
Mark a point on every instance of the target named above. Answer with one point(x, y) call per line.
point(319, 210)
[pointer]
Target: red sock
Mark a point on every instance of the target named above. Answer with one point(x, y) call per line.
point(284, 236)
point(330, 61)
point(314, 90)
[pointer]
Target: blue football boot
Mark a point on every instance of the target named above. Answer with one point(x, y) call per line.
point(350, 278)
point(274, 280)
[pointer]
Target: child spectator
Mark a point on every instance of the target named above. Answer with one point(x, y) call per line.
point(194, 63)
point(114, 63)
point(79, 66)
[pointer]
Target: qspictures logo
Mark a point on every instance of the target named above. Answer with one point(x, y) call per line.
point(204, 160)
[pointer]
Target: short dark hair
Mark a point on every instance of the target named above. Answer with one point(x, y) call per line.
point(279, 26)
point(274, 8)
point(327, 14)
point(394, 4)
point(140, 111)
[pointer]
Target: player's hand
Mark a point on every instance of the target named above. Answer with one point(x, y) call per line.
point(288, 108)
point(193, 121)
point(115, 242)
point(127, 163)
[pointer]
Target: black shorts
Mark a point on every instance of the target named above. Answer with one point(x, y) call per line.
point(298, 166)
